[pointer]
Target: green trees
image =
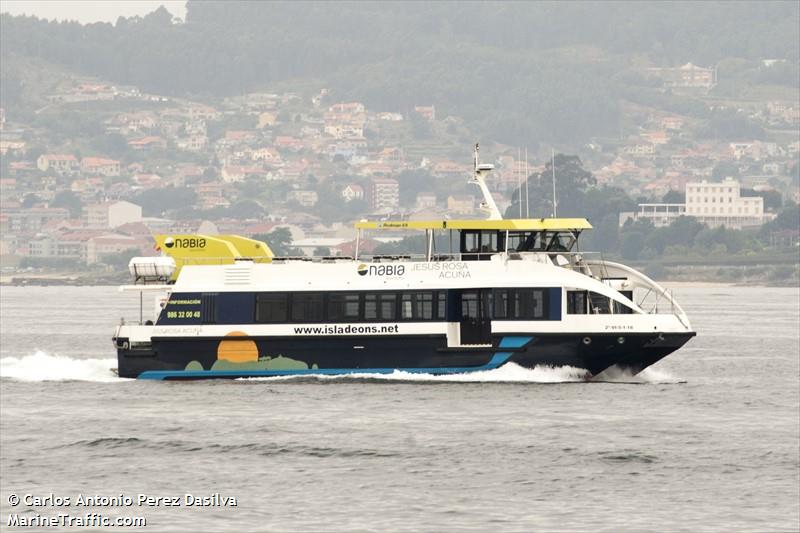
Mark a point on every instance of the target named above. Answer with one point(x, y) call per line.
point(572, 184)
point(69, 200)
point(157, 202)
point(279, 241)
point(518, 72)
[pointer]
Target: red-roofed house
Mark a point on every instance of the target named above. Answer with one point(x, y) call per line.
point(147, 143)
point(63, 164)
point(100, 166)
point(353, 191)
point(285, 142)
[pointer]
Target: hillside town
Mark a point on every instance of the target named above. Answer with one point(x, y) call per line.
point(138, 164)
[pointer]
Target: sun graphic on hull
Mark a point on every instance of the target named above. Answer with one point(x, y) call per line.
point(237, 350)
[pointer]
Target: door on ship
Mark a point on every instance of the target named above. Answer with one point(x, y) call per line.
point(476, 319)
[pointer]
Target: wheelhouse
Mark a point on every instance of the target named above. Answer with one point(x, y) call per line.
point(479, 240)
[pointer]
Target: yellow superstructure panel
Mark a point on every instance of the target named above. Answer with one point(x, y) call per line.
point(258, 250)
point(194, 249)
point(511, 224)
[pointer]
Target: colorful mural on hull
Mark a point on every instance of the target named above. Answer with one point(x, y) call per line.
point(237, 353)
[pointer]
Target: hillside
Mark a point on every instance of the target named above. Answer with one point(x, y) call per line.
point(516, 72)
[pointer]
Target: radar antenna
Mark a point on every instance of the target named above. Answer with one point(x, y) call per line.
point(481, 169)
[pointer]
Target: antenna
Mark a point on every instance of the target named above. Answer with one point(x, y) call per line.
point(553, 163)
point(519, 180)
point(527, 188)
point(488, 204)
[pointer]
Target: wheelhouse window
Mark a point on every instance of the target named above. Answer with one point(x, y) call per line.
point(479, 245)
point(272, 307)
point(307, 307)
point(561, 241)
point(525, 241)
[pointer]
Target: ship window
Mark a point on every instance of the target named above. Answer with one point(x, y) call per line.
point(622, 309)
point(525, 241)
point(272, 307)
point(416, 306)
point(500, 301)
point(441, 305)
point(519, 304)
point(576, 302)
point(599, 304)
point(307, 307)
point(380, 306)
point(561, 242)
point(343, 306)
point(472, 241)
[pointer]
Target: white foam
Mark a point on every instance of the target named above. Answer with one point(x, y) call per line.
point(42, 366)
point(615, 374)
point(508, 373)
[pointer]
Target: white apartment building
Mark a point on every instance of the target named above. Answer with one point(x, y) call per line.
point(718, 204)
point(384, 193)
point(714, 204)
point(112, 214)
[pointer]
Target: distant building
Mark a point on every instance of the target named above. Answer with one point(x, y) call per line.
point(99, 247)
point(719, 204)
point(64, 247)
point(661, 215)
point(349, 107)
point(384, 193)
point(461, 204)
point(100, 166)
point(23, 221)
point(426, 200)
point(714, 204)
point(688, 75)
point(428, 112)
point(353, 191)
point(303, 197)
point(62, 164)
point(672, 123)
point(112, 214)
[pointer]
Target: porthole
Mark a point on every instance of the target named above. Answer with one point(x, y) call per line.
point(587, 340)
point(621, 340)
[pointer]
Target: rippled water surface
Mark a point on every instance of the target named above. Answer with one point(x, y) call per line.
point(706, 440)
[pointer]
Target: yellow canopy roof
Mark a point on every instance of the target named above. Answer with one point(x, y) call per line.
point(510, 224)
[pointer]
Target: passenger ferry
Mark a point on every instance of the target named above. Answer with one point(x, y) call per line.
point(503, 291)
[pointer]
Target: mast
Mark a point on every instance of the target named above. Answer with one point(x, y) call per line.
point(555, 202)
point(488, 204)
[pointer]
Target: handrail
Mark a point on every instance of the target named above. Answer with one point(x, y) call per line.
point(645, 282)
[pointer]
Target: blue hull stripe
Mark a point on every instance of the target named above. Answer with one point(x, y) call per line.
point(497, 360)
point(514, 342)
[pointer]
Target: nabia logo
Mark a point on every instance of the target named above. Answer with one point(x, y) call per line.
point(381, 270)
point(189, 242)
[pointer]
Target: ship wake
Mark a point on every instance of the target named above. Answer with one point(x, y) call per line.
point(508, 373)
point(652, 375)
point(42, 366)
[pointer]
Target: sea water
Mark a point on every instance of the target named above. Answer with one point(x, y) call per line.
point(706, 440)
